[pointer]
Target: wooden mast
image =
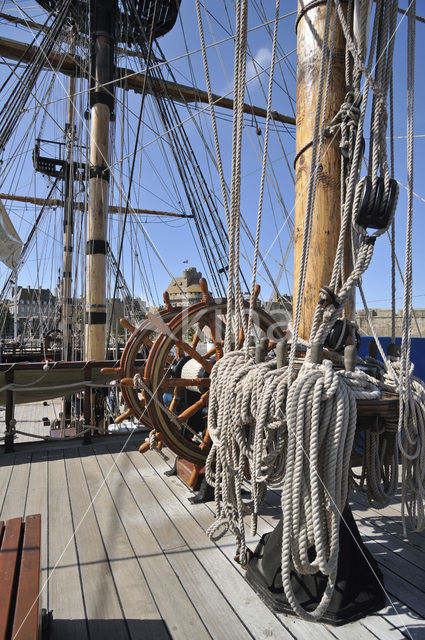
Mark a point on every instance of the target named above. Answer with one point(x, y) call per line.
point(101, 102)
point(326, 219)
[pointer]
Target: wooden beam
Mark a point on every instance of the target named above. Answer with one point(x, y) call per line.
point(79, 206)
point(132, 80)
point(36, 26)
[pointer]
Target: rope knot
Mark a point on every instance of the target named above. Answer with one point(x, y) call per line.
point(137, 381)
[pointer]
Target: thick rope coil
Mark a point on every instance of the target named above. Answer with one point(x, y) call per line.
point(300, 439)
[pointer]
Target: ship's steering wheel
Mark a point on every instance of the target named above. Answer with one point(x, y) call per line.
point(175, 378)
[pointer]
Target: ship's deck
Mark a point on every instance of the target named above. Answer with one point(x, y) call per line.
point(125, 555)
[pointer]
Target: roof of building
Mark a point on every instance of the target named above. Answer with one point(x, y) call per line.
point(27, 294)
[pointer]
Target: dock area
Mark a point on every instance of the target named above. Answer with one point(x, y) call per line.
point(125, 554)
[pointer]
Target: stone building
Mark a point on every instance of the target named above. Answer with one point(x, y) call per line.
point(381, 320)
point(36, 310)
point(280, 310)
point(185, 290)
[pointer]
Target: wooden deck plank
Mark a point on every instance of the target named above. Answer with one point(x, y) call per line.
point(190, 565)
point(404, 619)
point(37, 503)
point(299, 628)
point(371, 525)
point(392, 516)
point(139, 607)
point(65, 594)
point(15, 498)
point(393, 557)
point(383, 628)
point(400, 589)
point(266, 522)
point(259, 618)
point(177, 610)
point(6, 468)
point(101, 599)
point(168, 571)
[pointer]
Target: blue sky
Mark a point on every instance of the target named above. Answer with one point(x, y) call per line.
point(156, 182)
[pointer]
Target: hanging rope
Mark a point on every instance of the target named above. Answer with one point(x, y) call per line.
point(235, 318)
point(411, 433)
point(263, 174)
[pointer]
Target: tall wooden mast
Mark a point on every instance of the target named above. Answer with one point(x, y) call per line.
point(326, 222)
point(101, 102)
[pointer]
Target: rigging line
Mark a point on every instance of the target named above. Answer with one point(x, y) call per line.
point(143, 272)
point(223, 227)
point(224, 186)
point(274, 123)
point(67, 96)
point(265, 24)
point(10, 113)
point(188, 119)
point(133, 164)
point(22, 56)
point(26, 245)
point(188, 178)
point(418, 135)
point(85, 126)
point(22, 10)
point(273, 181)
point(191, 117)
point(177, 58)
point(413, 193)
point(35, 25)
point(40, 105)
point(263, 176)
point(287, 62)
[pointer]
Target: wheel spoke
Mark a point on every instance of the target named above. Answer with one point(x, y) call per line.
point(195, 355)
point(194, 408)
point(195, 339)
point(218, 343)
point(184, 382)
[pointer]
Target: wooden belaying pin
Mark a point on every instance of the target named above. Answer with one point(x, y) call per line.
point(261, 350)
point(281, 354)
point(350, 357)
point(372, 349)
point(394, 350)
point(316, 353)
point(259, 354)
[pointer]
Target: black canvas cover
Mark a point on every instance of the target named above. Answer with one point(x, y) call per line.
point(358, 590)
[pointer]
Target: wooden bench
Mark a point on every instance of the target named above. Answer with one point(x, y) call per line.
point(20, 578)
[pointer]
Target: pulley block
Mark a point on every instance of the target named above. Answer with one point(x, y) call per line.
point(338, 336)
point(376, 213)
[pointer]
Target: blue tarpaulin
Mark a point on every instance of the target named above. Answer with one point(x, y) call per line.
point(417, 352)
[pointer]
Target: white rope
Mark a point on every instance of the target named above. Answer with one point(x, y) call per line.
point(263, 171)
point(411, 433)
point(299, 439)
point(235, 308)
